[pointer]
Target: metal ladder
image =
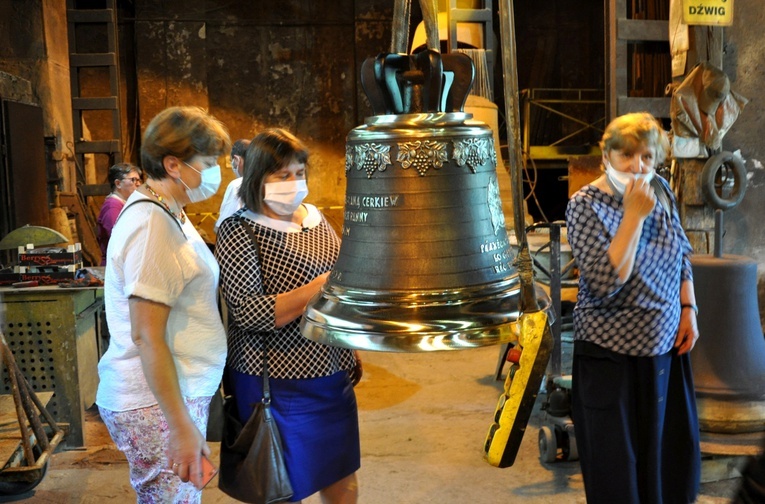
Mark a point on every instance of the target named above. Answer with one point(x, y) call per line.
point(483, 16)
point(80, 19)
point(623, 31)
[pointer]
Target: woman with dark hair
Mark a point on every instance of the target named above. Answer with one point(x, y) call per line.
point(123, 179)
point(633, 406)
point(168, 347)
point(266, 281)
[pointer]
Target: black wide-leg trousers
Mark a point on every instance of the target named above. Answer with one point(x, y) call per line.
point(636, 426)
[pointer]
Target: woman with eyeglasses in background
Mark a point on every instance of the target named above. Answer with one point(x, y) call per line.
point(123, 179)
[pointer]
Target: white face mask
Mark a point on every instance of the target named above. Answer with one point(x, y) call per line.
point(207, 187)
point(285, 197)
point(619, 179)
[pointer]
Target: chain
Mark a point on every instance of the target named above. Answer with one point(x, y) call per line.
point(180, 215)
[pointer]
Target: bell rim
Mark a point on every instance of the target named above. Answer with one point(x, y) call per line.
point(422, 297)
point(421, 342)
point(446, 324)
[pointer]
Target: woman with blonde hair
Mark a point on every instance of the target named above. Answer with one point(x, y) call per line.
point(168, 347)
point(634, 407)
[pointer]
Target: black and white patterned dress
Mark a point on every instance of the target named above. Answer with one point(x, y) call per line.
point(250, 282)
point(312, 399)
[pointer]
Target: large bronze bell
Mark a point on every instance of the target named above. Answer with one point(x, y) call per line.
point(729, 357)
point(425, 262)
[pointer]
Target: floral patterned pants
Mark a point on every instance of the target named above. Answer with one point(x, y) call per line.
point(142, 435)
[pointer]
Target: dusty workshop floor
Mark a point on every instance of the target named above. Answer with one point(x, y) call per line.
point(423, 417)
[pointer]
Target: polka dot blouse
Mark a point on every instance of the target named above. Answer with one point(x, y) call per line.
point(639, 317)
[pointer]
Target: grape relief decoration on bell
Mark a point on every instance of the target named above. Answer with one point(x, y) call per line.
point(422, 154)
point(474, 152)
point(370, 157)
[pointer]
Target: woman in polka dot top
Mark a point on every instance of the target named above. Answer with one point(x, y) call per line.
point(634, 407)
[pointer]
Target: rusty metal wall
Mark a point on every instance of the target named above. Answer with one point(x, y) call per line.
point(744, 63)
point(291, 64)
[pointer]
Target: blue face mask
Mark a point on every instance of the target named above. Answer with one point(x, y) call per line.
point(207, 187)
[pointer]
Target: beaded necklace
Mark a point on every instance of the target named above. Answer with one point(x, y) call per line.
point(180, 215)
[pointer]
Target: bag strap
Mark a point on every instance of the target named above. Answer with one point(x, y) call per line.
point(662, 195)
point(266, 386)
point(251, 233)
point(160, 206)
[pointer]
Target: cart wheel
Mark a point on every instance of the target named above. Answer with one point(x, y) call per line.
point(21, 487)
point(570, 451)
point(548, 445)
point(9, 487)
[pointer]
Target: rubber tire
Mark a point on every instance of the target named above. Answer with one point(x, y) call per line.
point(708, 173)
point(548, 445)
point(570, 451)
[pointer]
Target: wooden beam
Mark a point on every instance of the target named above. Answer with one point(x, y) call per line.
point(641, 30)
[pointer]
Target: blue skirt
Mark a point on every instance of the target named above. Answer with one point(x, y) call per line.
point(318, 421)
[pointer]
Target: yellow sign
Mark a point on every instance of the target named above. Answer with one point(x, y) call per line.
point(708, 12)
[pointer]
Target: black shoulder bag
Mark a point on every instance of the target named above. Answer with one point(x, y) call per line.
point(252, 467)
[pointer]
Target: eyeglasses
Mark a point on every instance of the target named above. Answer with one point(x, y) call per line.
point(134, 180)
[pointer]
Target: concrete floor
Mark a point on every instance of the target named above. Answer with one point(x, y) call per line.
point(424, 418)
